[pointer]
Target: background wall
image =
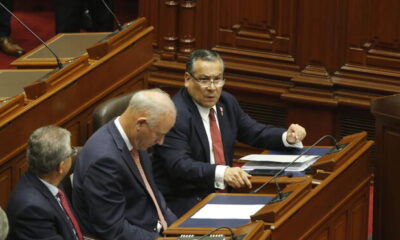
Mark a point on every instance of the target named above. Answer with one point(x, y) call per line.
point(314, 62)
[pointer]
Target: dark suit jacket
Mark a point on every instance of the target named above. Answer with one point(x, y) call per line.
point(109, 195)
point(34, 213)
point(181, 165)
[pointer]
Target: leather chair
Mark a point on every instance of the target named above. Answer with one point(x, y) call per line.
point(110, 109)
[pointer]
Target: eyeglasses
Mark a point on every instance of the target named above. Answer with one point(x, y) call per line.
point(206, 82)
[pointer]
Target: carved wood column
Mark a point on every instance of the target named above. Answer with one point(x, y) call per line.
point(372, 63)
point(187, 14)
point(168, 24)
point(150, 10)
point(320, 45)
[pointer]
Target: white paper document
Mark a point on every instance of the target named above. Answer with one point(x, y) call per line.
point(272, 162)
point(278, 158)
point(227, 211)
point(268, 165)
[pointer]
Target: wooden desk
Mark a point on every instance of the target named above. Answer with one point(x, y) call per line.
point(12, 82)
point(250, 231)
point(66, 46)
point(70, 46)
point(335, 208)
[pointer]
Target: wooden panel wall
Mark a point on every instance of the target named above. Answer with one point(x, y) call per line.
point(320, 59)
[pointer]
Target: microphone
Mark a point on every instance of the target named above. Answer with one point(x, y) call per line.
point(279, 195)
point(112, 13)
point(337, 148)
point(59, 64)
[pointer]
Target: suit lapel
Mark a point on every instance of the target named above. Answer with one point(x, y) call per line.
point(198, 124)
point(51, 199)
point(224, 129)
point(125, 153)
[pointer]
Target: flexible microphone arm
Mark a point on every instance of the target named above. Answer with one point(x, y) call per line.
point(280, 195)
point(112, 13)
point(59, 64)
point(338, 148)
point(278, 190)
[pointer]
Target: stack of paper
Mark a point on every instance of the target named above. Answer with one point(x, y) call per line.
point(227, 211)
point(267, 161)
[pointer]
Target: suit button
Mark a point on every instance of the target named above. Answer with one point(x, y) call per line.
point(198, 199)
point(155, 229)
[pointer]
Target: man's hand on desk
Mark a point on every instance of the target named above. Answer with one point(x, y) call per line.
point(295, 133)
point(237, 178)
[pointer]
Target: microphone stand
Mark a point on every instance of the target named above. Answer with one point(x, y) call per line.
point(113, 15)
point(59, 64)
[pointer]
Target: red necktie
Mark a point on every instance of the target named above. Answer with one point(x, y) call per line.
point(67, 209)
point(217, 145)
point(136, 158)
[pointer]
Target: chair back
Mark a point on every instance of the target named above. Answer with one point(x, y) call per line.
point(109, 110)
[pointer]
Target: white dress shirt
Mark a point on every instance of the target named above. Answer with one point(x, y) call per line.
point(219, 182)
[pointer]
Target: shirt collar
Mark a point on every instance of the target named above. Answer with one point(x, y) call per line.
point(204, 111)
point(53, 189)
point(123, 134)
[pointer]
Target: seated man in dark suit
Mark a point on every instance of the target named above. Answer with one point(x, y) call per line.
point(114, 192)
point(37, 209)
point(196, 157)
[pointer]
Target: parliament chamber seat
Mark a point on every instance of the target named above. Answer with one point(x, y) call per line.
point(110, 109)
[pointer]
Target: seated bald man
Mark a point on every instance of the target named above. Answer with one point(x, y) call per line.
point(114, 193)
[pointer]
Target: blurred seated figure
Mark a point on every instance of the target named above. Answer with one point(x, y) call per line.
point(90, 15)
point(7, 45)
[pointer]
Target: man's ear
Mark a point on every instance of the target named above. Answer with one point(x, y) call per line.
point(141, 121)
point(187, 78)
point(61, 167)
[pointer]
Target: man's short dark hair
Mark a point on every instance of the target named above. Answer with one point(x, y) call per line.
point(202, 54)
